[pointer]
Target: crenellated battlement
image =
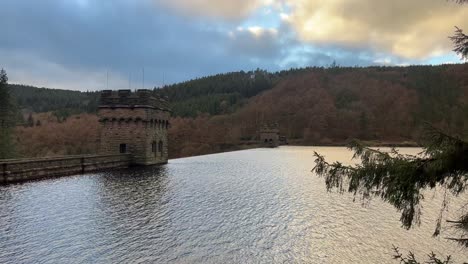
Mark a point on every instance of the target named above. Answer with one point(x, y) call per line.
point(142, 98)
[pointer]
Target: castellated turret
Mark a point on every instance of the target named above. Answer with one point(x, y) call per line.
point(135, 123)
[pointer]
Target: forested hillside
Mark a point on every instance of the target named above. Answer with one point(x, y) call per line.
point(378, 103)
point(311, 105)
point(62, 103)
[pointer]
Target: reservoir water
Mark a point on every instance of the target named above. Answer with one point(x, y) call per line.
point(252, 206)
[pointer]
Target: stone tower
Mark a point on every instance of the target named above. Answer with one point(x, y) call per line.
point(269, 136)
point(135, 123)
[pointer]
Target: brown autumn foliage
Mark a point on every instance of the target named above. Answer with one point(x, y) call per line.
point(307, 109)
point(77, 135)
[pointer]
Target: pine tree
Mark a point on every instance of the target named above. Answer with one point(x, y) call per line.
point(7, 118)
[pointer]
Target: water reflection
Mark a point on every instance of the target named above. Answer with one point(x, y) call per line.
point(256, 206)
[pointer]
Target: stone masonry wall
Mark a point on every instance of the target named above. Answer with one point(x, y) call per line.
point(139, 129)
point(269, 138)
point(21, 170)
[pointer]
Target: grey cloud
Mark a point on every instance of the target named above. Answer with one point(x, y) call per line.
point(122, 37)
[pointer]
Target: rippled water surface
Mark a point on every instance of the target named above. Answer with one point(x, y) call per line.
point(254, 206)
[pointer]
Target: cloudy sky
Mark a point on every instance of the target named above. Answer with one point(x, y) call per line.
point(76, 44)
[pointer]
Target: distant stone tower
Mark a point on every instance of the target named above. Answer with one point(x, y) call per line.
point(269, 136)
point(135, 123)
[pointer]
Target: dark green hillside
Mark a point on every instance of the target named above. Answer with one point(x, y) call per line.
point(62, 102)
point(218, 94)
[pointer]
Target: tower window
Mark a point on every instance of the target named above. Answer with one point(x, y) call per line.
point(123, 148)
point(153, 147)
point(160, 146)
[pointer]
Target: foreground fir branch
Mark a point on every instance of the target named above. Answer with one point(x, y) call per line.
point(411, 258)
point(460, 41)
point(400, 179)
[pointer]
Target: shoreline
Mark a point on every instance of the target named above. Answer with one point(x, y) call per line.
point(247, 146)
point(366, 143)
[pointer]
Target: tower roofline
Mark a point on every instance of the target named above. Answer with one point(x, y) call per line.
point(142, 98)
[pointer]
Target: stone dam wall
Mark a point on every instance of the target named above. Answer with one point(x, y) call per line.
point(20, 170)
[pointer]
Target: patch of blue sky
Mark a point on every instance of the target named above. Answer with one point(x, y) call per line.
point(265, 17)
point(449, 58)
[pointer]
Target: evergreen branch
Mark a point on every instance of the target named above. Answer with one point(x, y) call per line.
point(411, 258)
point(461, 241)
point(460, 41)
point(399, 179)
point(456, 222)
